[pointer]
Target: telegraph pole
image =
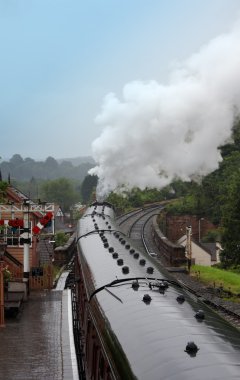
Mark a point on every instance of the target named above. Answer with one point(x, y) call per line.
point(189, 247)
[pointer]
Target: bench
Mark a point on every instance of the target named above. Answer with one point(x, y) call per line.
point(13, 300)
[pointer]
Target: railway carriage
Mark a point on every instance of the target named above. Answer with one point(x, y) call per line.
point(137, 323)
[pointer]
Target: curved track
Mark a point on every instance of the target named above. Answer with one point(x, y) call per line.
point(132, 222)
point(137, 225)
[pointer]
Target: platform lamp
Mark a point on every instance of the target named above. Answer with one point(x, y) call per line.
point(2, 267)
point(188, 247)
point(26, 241)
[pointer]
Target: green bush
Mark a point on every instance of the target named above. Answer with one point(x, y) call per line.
point(60, 239)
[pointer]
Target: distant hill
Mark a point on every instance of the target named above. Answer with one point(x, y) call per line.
point(20, 169)
point(77, 160)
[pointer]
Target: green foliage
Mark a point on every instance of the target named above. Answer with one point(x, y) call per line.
point(60, 191)
point(77, 214)
point(218, 277)
point(186, 205)
point(88, 187)
point(218, 199)
point(212, 236)
point(24, 169)
point(3, 188)
point(120, 202)
point(136, 198)
point(6, 275)
point(60, 239)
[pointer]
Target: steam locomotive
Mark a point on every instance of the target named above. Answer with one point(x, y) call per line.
point(136, 322)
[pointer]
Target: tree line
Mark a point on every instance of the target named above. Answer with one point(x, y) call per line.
point(50, 180)
point(20, 169)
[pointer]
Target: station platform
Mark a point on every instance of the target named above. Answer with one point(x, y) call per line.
point(39, 343)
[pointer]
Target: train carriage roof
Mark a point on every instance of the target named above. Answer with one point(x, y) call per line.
point(153, 327)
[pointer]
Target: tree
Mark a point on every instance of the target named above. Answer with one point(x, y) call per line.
point(88, 186)
point(231, 224)
point(33, 188)
point(16, 160)
point(60, 191)
point(3, 188)
point(120, 202)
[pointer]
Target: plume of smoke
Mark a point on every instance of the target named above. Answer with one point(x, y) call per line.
point(159, 132)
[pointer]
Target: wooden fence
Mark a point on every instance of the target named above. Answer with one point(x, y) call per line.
point(41, 278)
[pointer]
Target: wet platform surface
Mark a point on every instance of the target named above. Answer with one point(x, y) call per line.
point(32, 347)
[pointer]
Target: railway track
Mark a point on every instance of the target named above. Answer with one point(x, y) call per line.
point(137, 225)
point(230, 311)
point(132, 223)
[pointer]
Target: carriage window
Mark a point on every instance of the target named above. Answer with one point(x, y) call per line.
point(94, 361)
point(101, 368)
point(109, 376)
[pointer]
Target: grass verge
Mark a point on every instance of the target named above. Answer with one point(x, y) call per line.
point(216, 277)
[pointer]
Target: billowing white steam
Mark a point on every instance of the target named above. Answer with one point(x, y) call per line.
point(159, 132)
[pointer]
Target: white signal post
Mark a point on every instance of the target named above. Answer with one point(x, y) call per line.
point(26, 240)
point(26, 208)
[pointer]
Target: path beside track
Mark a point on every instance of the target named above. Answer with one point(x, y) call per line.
point(38, 345)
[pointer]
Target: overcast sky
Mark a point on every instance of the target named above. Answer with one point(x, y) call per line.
point(60, 58)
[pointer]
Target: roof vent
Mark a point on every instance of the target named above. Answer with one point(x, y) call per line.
point(162, 287)
point(147, 299)
point(142, 262)
point(180, 299)
point(150, 270)
point(191, 349)
point(136, 255)
point(200, 315)
point(135, 285)
point(115, 255)
point(120, 262)
point(165, 284)
point(125, 270)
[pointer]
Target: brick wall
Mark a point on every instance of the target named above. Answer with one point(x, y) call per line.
point(176, 226)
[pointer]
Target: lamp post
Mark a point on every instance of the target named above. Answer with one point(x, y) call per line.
point(26, 240)
point(2, 267)
point(199, 229)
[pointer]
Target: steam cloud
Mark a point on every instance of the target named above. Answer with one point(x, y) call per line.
point(159, 132)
